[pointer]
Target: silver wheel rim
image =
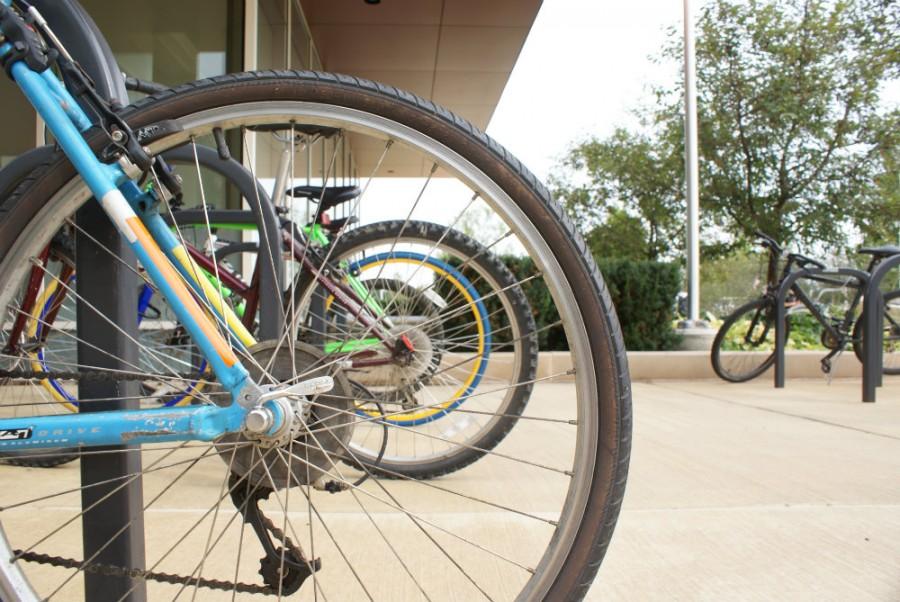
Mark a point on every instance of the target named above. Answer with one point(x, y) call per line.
point(74, 194)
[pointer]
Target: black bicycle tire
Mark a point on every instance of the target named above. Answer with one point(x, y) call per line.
point(51, 458)
point(527, 369)
point(235, 248)
point(716, 351)
point(602, 332)
point(11, 176)
point(857, 335)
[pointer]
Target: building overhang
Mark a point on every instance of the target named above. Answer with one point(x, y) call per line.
point(457, 53)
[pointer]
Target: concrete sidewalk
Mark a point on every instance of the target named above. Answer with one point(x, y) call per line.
point(736, 492)
point(745, 492)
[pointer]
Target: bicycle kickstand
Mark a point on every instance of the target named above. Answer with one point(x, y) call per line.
point(828, 365)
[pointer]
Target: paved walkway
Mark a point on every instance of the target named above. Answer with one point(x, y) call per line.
point(737, 492)
point(745, 492)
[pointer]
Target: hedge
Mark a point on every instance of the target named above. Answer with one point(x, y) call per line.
point(642, 291)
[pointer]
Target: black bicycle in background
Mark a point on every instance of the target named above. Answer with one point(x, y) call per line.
point(744, 347)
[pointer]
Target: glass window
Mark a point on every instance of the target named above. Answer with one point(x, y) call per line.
point(17, 121)
point(172, 42)
point(284, 39)
point(167, 41)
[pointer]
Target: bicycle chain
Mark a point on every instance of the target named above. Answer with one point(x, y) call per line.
point(144, 575)
point(147, 575)
point(99, 375)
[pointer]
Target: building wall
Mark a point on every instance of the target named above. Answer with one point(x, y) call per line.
point(205, 40)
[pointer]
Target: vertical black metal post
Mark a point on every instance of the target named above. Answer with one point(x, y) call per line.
point(271, 265)
point(317, 318)
point(873, 328)
point(781, 327)
point(111, 288)
point(780, 324)
point(873, 307)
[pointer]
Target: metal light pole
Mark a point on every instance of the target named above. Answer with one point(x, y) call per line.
point(691, 175)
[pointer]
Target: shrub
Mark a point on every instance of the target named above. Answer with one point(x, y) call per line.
point(644, 294)
point(642, 291)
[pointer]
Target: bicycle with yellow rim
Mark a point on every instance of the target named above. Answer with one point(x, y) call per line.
point(248, 491)
point(463, 313)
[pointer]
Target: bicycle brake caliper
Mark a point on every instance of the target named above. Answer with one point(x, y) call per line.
point(284, 568)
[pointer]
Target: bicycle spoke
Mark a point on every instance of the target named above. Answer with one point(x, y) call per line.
point(96, 503)
point(417, 311)
point(362, 507)
point(127, 525)
point(418, 524)
point(419, 518)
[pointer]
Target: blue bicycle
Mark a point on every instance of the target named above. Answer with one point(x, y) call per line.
point(269, 444)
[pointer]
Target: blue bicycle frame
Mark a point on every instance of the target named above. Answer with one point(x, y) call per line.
point(162, 256)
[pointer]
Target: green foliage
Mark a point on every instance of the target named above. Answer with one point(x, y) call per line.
point(881, 225)
point(644, 296)
point(792, 133)
point(642, 291)
point(794, 137)
point(629, 205)
point(620, 236)
point(805, 334)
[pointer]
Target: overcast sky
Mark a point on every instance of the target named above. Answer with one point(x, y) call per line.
point(585, 66)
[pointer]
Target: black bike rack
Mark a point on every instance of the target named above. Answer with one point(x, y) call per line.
point(781, 313)
point(271, 278)
point(873, 330)
point(113, 532)
point(112, 526)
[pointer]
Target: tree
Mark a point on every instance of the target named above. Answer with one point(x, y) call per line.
point(794, 138)
point(878, 220)
point(630, 203)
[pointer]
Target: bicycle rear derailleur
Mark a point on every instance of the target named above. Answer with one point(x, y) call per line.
point(284, 568)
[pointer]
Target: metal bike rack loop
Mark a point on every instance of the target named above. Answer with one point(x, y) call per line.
point(781, 313)
point(112, 526)
point(873, 330)
point(271, 266)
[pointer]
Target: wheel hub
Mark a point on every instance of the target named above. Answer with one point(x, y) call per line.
point(314, 433)
point(289, 414)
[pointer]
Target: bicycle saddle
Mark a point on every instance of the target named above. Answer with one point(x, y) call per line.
point(880, 252)
point(330, 195)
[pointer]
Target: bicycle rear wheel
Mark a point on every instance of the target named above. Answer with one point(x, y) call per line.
point(472, 332)
point(890, 359)
point(541, 506)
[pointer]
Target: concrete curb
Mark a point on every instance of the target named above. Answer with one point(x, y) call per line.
point(683, 365)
